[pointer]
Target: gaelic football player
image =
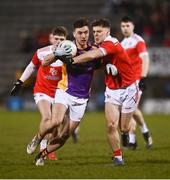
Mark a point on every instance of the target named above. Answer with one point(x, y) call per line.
point(136, 49)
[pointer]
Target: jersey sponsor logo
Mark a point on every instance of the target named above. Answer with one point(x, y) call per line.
point(53, 75)
point(53, 71)
point(49, 77)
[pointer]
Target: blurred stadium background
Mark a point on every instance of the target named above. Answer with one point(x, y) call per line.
point(25, 26)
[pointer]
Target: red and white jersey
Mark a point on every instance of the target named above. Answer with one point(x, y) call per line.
point(116, 55)
point(49, 76)
point(134, 46)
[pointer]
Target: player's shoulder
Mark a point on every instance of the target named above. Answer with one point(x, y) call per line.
point(111, 39)
point(137, 38)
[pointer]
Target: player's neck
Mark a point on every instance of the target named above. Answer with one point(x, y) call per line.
point(129, 35)
point(79, 46)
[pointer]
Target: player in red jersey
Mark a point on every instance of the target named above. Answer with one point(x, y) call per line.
point(136, 49)
point(121, 89)
point(46, 81)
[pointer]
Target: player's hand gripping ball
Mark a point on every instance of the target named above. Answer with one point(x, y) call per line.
point(67, 44)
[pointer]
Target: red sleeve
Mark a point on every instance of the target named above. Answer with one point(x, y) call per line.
point(35, 60)
point(109, 47)
point(141, 47)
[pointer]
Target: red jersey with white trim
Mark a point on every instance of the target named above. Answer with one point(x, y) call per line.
point(116, 55)
point(134, 46)
point(49, 76)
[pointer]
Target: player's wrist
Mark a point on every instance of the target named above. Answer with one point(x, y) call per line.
point(71, 60)
point(56, 56)
point(20, 82)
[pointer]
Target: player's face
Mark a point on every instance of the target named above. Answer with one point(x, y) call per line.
point(56, 39)
point(127, 28)
point(81, 36)
point(100, 33)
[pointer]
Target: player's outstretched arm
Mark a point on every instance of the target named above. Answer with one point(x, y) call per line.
point(88, 56)
point(49, 59)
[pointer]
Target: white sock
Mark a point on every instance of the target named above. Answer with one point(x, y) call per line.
point(132, 138)
point(43, 144)
point(144, 128)
point(119, 157)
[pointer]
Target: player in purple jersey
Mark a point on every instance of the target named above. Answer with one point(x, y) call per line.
point(72, 93)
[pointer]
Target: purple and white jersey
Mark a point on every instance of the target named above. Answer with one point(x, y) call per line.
point(76, 79)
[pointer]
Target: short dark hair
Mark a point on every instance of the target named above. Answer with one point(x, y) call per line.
point(127, 19)
point(60, 31)
point(103, 22)
point(81, 22)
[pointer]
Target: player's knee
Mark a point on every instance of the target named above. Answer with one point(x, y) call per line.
point(111, 127)
point(45, 118)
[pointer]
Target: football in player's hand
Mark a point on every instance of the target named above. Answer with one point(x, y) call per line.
point(69, 44)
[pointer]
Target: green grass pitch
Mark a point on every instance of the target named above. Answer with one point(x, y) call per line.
point(90, 158)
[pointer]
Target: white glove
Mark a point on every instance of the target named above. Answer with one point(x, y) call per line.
point(62, 51)
point(111, 69)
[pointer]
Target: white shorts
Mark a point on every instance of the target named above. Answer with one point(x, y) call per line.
point(41, 96)
point(126, 98)
point(76, 106)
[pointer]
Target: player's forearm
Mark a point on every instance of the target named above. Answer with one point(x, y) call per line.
point(88, 56)
point(145, 64)
point(28, 72)
point(49, 59)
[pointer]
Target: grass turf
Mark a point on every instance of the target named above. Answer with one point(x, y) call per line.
point(90, 158)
